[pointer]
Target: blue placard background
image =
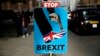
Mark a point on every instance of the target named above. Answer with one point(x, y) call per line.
point(38, 37)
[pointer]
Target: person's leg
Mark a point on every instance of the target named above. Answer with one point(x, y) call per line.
point(18, 30)
point(23, 32)
point(26, 30)
point(43, 24)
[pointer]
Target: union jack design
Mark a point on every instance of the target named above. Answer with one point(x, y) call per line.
point(52, 35)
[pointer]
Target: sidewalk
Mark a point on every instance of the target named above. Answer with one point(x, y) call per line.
point(17, 46)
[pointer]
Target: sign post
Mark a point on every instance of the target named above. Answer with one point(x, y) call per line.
point(50, 29)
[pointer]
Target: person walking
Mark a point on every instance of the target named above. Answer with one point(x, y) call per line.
point(25, 22)
point(17, 20)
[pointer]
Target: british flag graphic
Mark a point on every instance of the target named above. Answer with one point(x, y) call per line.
point(52, 35)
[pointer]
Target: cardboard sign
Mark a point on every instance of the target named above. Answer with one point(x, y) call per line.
point(50, 30)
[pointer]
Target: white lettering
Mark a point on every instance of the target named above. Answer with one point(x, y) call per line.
point(51, 4)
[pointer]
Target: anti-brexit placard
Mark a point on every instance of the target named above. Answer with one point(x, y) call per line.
point(50, 30)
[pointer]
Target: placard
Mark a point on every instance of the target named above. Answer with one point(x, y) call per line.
point(50, 30)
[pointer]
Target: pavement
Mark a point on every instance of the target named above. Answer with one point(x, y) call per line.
point(83, 45)
point(16, 46)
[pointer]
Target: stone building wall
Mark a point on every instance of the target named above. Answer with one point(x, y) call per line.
point(18, 6)
point(90, 1)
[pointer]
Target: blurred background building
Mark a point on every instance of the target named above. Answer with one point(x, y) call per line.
point(73, 4)
point(89, 1)
point(16, 5)
point(19, 5)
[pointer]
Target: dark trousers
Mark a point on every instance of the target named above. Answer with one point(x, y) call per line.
point(18, 28)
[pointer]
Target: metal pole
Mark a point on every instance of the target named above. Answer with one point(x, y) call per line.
point(50, 54)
